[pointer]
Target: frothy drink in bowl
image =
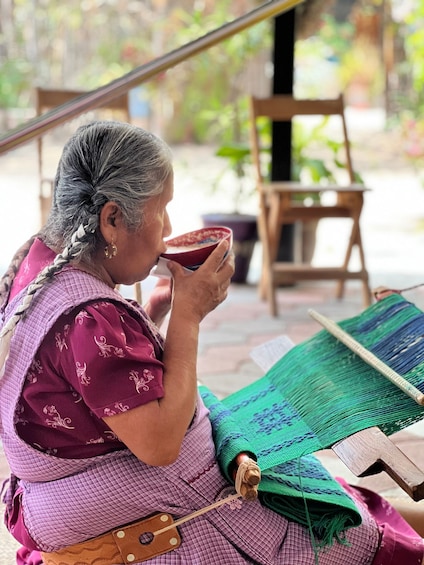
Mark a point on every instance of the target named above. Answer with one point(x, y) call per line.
point(191, 249)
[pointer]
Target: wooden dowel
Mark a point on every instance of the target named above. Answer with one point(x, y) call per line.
point(246, 480)
point(197, 513)
point(369, 357)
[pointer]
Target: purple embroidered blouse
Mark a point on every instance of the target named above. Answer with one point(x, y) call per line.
point(90, 364)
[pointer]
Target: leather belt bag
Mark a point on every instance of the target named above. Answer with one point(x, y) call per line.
point(130, 544)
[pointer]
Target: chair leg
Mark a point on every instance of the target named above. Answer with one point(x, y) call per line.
point(273, 303)
point(366, 293)
point(265, 276)
point(137, 290)
point(353, 240)
point(366, 290)
point(263, 283)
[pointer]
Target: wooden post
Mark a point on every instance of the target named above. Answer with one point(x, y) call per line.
point(283, 60)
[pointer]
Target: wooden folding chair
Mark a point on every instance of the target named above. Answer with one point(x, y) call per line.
point(48, 98)
point(279, 203)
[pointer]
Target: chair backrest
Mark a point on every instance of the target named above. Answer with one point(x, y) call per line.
point(283, 108)
point(49, 98)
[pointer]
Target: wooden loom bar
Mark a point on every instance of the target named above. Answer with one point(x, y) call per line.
point(102, 95)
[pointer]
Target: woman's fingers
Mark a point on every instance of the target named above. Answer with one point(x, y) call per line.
point(218, 256)
point(203, 290)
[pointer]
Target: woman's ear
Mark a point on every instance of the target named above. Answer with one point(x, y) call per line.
point(109, 221)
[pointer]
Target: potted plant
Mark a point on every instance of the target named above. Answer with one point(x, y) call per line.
point(238, 187)
point(313, 168)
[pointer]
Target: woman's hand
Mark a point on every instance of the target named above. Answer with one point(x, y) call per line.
point(382, 291)
point(198, 293)
point(159, 302)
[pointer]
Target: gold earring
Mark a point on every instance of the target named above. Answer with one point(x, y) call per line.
point(110, 250)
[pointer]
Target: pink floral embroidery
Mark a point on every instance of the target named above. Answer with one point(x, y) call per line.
point(76, 396)
point(61, 341)
point(107, 350)
point(19, 419)
point(235, 504)
point(81, 316)
point(101, 305)
point(141, 382)
point(96, 440)
point(387, 507)
point(33, 372)
point(119, 408)
point(81, 369)
point(124, 339)
point(56, 420)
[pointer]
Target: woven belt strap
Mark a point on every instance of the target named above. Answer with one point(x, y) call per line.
point(124, 546)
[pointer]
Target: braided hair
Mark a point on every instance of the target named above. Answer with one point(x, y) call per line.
point(103, 161)
point(7, 279)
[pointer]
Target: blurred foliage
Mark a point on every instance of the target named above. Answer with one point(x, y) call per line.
point(411, 114)
point(83, 45)
point(414, 46)
point(206, 107)
point(315, 159)
point(336, 59)
point(15, 81)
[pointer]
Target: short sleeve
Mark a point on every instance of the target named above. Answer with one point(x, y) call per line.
point(109, 359)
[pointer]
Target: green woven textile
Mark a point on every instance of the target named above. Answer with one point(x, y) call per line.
point(318, 393)
point(301, 490)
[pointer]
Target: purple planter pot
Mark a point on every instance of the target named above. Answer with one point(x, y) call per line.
point(245, 235)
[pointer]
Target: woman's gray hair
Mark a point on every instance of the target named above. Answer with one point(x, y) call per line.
point(104, 161)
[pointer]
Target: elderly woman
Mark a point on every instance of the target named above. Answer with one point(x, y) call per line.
point(101, 419)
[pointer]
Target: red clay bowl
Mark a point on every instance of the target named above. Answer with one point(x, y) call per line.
point(193, 248)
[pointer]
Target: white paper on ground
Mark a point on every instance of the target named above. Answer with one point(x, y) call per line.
point(268, 353)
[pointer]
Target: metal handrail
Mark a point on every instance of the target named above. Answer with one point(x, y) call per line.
point(101, 96)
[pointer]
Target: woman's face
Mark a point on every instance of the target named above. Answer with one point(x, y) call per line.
point(138, 251)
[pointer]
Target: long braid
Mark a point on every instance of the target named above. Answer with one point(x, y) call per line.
point(72, 252)
point(9, 276)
